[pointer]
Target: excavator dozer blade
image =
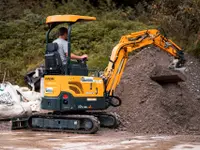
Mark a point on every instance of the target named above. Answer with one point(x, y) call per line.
point(164, 75)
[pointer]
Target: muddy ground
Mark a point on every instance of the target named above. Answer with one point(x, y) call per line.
point(103, 140)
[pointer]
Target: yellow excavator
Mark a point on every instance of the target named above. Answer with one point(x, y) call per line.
point(75, 99)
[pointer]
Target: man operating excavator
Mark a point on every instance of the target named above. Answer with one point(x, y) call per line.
point(63, 47)
point(76, 99)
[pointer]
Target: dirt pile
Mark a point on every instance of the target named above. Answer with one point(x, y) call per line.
point(149, 107)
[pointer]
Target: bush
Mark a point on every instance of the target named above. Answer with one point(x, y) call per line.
point(181, 20)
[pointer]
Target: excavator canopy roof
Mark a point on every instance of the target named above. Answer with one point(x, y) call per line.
point(68, 18)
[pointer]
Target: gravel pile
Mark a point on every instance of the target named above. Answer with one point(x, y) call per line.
point(149, 107)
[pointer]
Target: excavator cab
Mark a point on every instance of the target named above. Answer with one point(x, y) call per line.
point(68, 87)
point(53, 63)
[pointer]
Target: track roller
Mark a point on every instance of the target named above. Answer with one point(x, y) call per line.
point(107, 120)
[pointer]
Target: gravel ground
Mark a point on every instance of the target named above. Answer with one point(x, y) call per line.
point(103, 140)
point(149, 107)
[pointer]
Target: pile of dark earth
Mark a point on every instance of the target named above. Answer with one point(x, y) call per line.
point(151, 108)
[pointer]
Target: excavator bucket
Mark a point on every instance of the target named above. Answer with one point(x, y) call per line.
point(164, 75)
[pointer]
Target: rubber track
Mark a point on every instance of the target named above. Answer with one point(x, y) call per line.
point(95, 121)
point(114, 116)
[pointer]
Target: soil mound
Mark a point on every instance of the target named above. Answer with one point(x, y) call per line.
point(149, 107)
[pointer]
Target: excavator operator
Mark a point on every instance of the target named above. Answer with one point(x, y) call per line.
point(63, 47)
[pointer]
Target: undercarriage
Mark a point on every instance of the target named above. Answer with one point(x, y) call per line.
point(84, 123)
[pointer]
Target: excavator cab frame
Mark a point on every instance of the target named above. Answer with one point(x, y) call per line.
point(56, 20)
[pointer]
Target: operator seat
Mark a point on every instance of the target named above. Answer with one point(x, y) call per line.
point(54, 66)
point(53, 62)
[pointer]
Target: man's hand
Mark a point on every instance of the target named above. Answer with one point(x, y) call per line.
point(73, 56)
point(84, 56)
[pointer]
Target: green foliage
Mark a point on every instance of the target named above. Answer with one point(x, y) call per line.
point(22, 28)
point(100, 37)
point(22, 35)
point(181, 20)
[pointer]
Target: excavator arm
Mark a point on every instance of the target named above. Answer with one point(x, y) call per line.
point(133, 42)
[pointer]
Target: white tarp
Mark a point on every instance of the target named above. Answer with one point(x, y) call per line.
point(17, 101)
point(31, 97)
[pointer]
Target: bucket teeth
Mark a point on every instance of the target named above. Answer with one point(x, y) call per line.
point(182, 69)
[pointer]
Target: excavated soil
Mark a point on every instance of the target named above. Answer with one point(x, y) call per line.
point(149, 107)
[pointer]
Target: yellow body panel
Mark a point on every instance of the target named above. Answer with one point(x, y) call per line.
point(68, 18)
point(78, 86)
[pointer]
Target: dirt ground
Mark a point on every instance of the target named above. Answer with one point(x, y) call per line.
point(103, 140)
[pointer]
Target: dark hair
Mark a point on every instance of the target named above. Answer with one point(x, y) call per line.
point(62, 31)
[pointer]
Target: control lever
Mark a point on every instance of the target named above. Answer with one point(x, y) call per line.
point(82, 61)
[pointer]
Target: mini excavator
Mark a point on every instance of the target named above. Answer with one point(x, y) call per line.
point(76, 100)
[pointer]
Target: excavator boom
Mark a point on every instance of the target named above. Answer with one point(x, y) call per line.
point(133, 42)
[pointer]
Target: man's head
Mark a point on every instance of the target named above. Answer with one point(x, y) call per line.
point(63, 32)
